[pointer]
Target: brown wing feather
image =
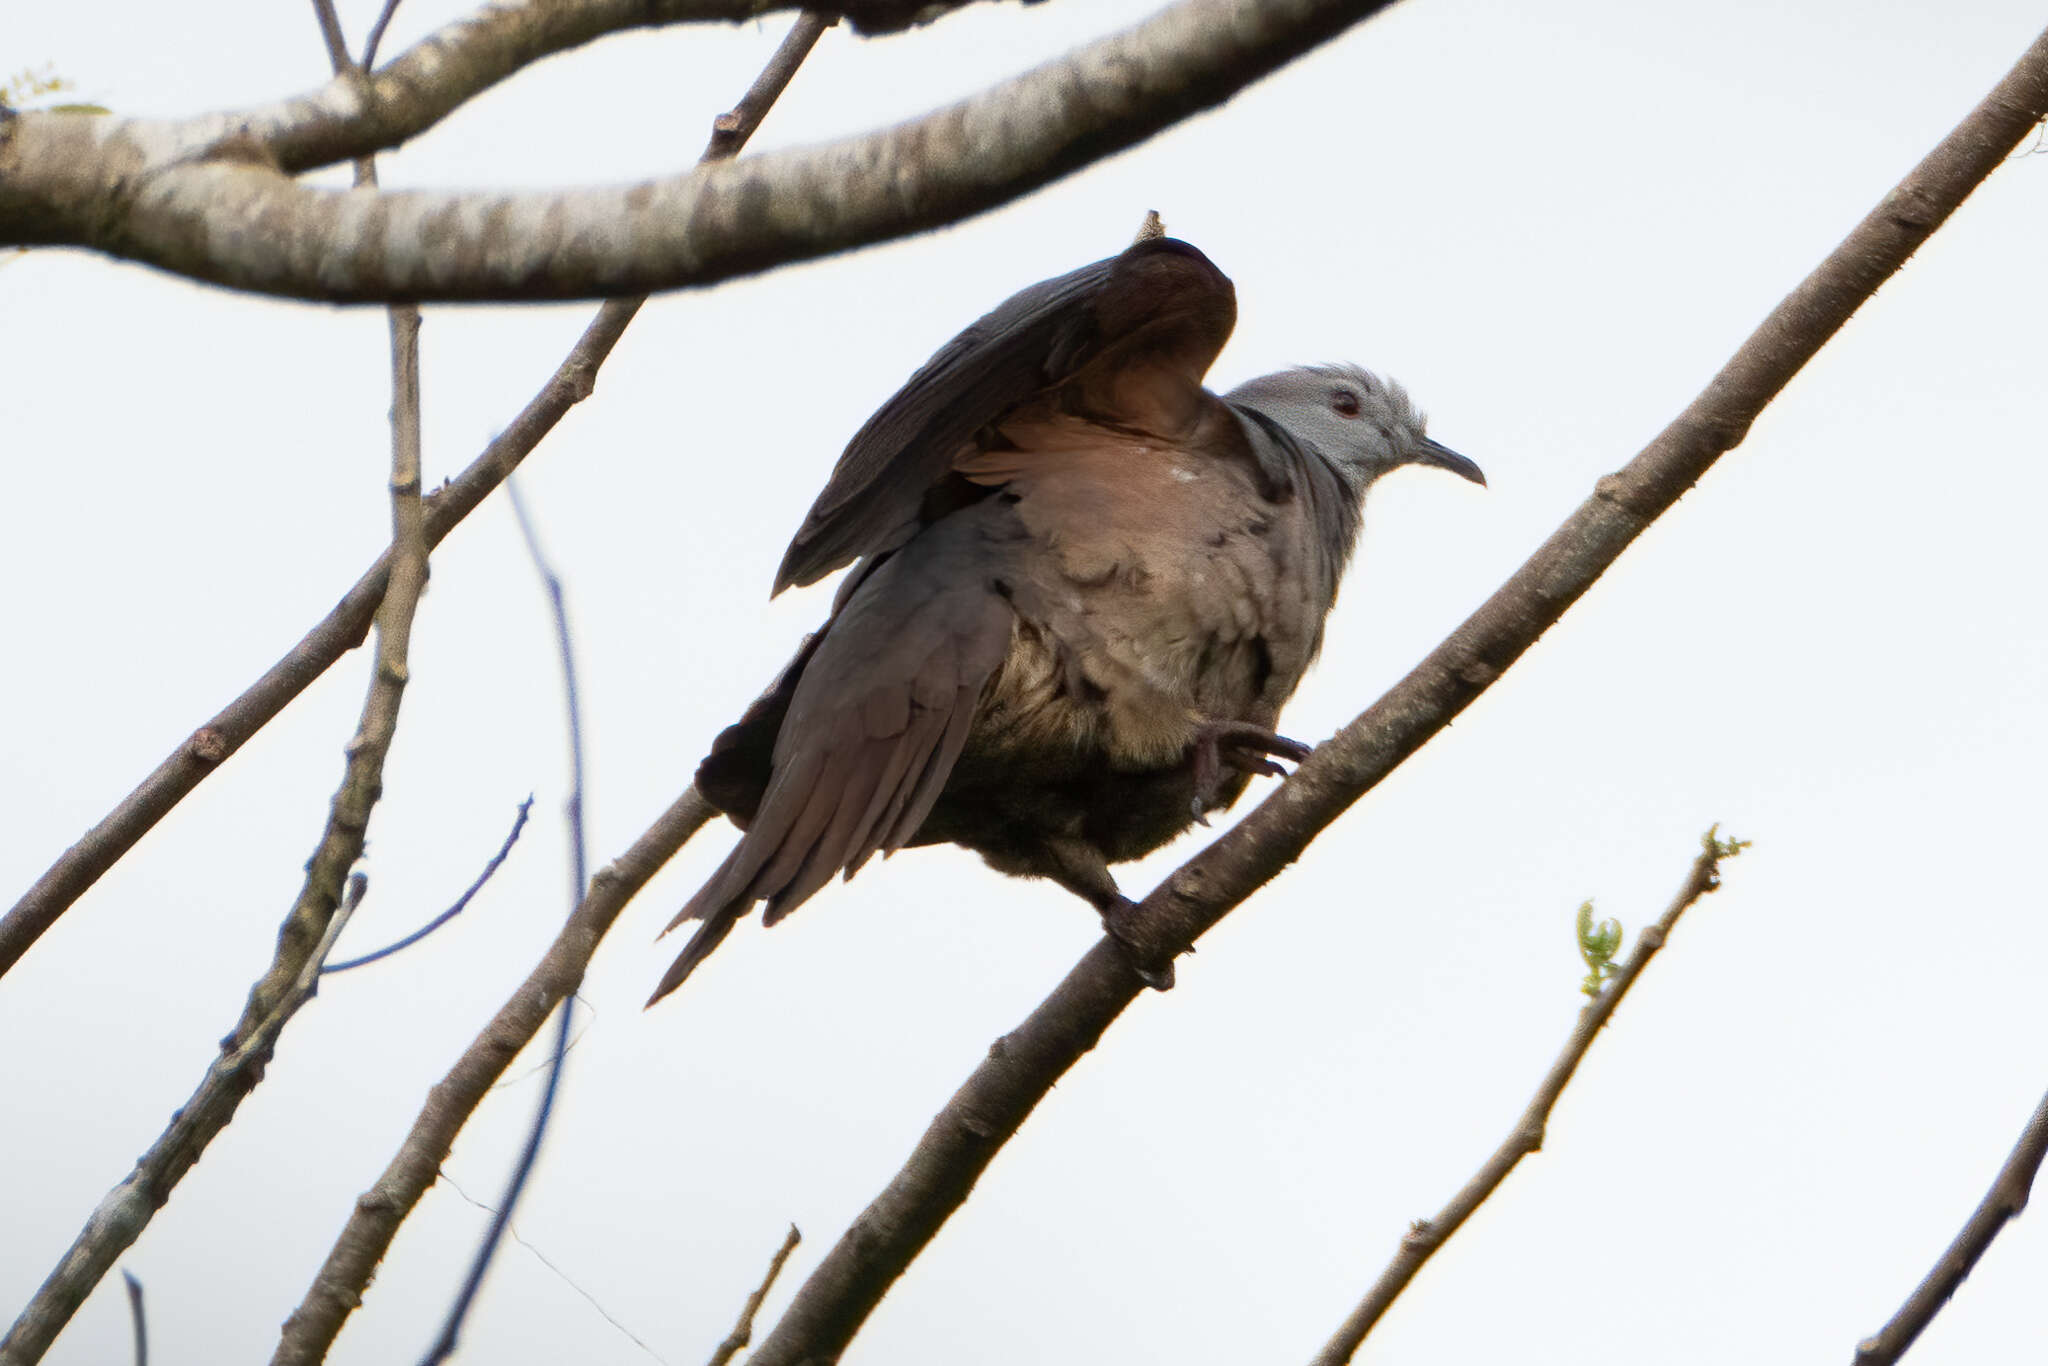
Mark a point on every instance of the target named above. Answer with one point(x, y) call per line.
point(873, 727)
point(1160, 308)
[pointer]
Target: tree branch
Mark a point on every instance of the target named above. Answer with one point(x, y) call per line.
point(310, 927)
point(2005, 1200)
point(338, 1286)
point(337, 1289)
point(1023, 1065)
point(1427, 1235)
point(579, 874)
point(110, 186)
point(343, 628)
point(497, 861)
point(340, 631)
point(743, 1332)
point(128, 1208)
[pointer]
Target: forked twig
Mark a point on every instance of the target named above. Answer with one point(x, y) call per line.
point(1425, 1236)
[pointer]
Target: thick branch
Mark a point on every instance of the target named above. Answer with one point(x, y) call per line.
point(2004, 1201)
point(1427, 1235)
point(356, 114)
point(244, 223)
point(1023, 1065)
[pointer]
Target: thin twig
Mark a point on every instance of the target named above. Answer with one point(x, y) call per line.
point(501, 1219)
point(376, 39)
point(461, 902)
point(2004, 1201)
point(127, 1209)
point(330, 33)
point(1023, 1066)
point(340, 631)
point(743, 1332)
point(338, 1286)
point(136, 1318)
point(1425, 1236)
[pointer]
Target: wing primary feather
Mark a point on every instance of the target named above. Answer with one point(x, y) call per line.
point(936, 770)
point(709, 936)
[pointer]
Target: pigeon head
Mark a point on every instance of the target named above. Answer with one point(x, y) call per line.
point(1362, 425)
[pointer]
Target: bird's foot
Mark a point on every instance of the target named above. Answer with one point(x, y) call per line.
point(1119, 921)
point(1241, 746)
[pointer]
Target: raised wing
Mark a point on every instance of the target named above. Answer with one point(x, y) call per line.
point(1132, 335)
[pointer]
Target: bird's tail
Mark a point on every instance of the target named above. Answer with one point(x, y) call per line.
point(716, 925)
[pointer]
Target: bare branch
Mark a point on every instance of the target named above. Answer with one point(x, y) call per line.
point(128, 1208)
point(342, 629)
point(497, 861)
point(376, 38)
point(743, 1332)
point(1023, 1065)
point(501, 1218)
point(1427, 1235)
point(2005, 1200)
point(338, 1286)
point(143, 194)
point(330, 33)
point(310, 927)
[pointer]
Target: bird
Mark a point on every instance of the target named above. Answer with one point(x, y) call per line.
point(1082, 587)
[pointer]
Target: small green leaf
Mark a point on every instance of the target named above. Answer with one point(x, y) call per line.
point(1598, 944)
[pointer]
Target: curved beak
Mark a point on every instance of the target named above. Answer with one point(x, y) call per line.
point(1444, 458)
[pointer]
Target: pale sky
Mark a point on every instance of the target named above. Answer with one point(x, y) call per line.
point(1552, 224)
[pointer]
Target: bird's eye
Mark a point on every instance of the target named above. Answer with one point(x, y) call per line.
point(1345, 403)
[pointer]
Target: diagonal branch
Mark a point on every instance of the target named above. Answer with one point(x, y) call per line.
point(2004, 1201)
point(128, 1208)
point(338, 1286)
point(743, 1332)
point(110, 186)
point(1023, 1065)
point(1428, 1235)
point(340, 631)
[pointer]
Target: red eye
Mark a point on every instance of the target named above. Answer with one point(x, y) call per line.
point(1345, 402)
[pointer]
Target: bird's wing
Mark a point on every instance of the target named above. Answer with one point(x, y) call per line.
point(1131, 335)
point(875, 723)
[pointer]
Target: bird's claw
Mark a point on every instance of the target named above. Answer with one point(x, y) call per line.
point(1119, 923)
point(1247, 746)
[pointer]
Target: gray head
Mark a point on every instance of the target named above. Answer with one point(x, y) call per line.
point(1362, 425)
